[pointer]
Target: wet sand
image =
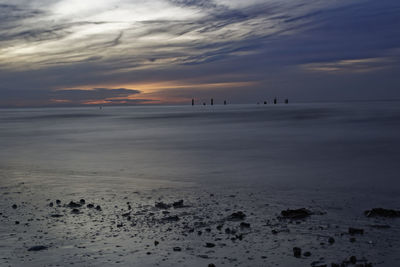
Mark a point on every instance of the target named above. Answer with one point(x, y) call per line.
point(151, 226)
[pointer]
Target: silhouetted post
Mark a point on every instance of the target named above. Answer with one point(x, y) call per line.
point(192, 102)
point(286, 101)
point(265, 102)
point(275, 100)
point(212, 101)
point(224, 102)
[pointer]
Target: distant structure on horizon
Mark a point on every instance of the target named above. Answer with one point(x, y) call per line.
point(275, 101)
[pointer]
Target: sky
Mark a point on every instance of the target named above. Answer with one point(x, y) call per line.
point(120, 52)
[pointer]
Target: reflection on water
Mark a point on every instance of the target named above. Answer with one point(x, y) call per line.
point(353, 145)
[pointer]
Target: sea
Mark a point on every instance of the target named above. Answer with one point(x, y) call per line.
point(311, 146)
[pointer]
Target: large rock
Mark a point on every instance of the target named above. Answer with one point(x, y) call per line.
point(37, 248)
point(380, 212)
point(296, 213)
point(237, 216)
point(73, 204)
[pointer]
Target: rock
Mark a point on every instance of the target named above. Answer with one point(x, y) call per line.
point(353, 259)
point(237, 216)
point(51, 204)
point(295, 214)
point(90, 206)
point(307, 254)
point(240, 237)
point(98, 208)
point(297, 252)
point(73, 204)
point(380, 212)
point(14, 206)
point(210, 245)
point(171, 219)
point(355, 231)
point(56, 215)
point(162, 205)
point(58, 202)
point(156, 243)
point(37, 248)
point(178, 204)
point(75, 211)
point(177, 249)
point(126, 214)
point(211, 265)
point(244, 225)
point(16, 222)
point(331, 240)
point(82, 201)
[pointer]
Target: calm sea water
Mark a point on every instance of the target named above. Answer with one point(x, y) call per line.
point(355, 146)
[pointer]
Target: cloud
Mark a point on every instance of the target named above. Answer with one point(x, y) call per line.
point(173, 32)
point(73, 97)
point(97, 96)
point(46, 45)
point(351, 65)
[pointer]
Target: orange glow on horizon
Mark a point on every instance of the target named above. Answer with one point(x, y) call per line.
point(155, 87)
point(150, 93)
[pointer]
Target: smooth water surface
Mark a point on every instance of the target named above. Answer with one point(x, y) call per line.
point(354, 146)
